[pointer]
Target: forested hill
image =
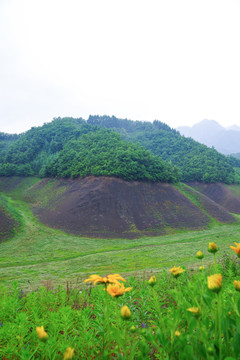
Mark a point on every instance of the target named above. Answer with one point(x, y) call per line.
point(71, 148)
point(107, 146)
point(195, 161)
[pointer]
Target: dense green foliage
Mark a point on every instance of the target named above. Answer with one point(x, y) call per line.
point(73, 147)
point(5, 141)
point(102, 152)
point(195, 161)
point(234, 160)
point(70, 148)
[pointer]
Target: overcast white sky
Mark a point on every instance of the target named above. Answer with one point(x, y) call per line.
point(177, 61)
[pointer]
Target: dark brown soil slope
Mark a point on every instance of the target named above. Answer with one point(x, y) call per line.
point(110, 207)
point(221, 194)
point(211, 207)
point(7, 224)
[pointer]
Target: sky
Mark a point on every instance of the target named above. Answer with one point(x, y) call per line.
point(170, 60)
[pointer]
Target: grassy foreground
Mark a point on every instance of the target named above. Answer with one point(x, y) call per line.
point(184, 316)
point(87, 319)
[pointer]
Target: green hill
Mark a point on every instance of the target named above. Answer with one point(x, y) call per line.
point(72, 148)
point(195, 161)
point(107, 146)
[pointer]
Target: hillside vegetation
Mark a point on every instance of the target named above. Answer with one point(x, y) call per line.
point(72, 148)
point(141, 151)
point(195, 161)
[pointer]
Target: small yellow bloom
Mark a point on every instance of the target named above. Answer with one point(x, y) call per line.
point(237, 285)
point(236, 249)
point(177, 333)
point(41, 333)
point(215, 282)
point(195, 311)
point(133, 329)
point(212, 247)
point(125, 312)
point(176, 271)
point(152, 281)
point(201, 268)
point(109, 279)
point(199, 255)
point(117, 289)
point(68, 353)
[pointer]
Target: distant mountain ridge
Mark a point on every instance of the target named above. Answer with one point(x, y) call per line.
point(211, 133)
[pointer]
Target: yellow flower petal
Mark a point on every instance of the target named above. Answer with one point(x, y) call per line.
point(176, 271)
point(212, 247)
point(117, 289)
point(215, 282)
point(125, 312)
point(68, 353)
point(41, 333)
point(236, 249)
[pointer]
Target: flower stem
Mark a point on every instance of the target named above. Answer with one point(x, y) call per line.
point(219, 326)
point(215, 261)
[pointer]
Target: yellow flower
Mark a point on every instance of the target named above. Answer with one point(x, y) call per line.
point(177, 333)
point(117, 289)
point(201, 268)
point(215, 282)
point(176, 271)
point(236, 249)
point(133, 329)
point(109, 279)
point(212, 247)
point(152, 281)
point(237, 285)
point(199, 255)
point(68, 353)
point(41, 333)
point(125, 312)
point(195, 311)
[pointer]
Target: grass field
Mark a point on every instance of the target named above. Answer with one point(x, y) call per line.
point(177, 319)
point(38, 254)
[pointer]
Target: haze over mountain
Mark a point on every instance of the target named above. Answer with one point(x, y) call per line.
point(211, 133)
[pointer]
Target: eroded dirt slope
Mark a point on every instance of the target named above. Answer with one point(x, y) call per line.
point(221, 194)
point(110, 207)
point(7, 224)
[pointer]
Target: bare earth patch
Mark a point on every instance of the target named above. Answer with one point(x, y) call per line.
point(221, 194)
point(6, 224)
point(111, 207)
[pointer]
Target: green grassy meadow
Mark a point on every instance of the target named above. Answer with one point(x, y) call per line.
point(42, 273)
point(38, 254)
